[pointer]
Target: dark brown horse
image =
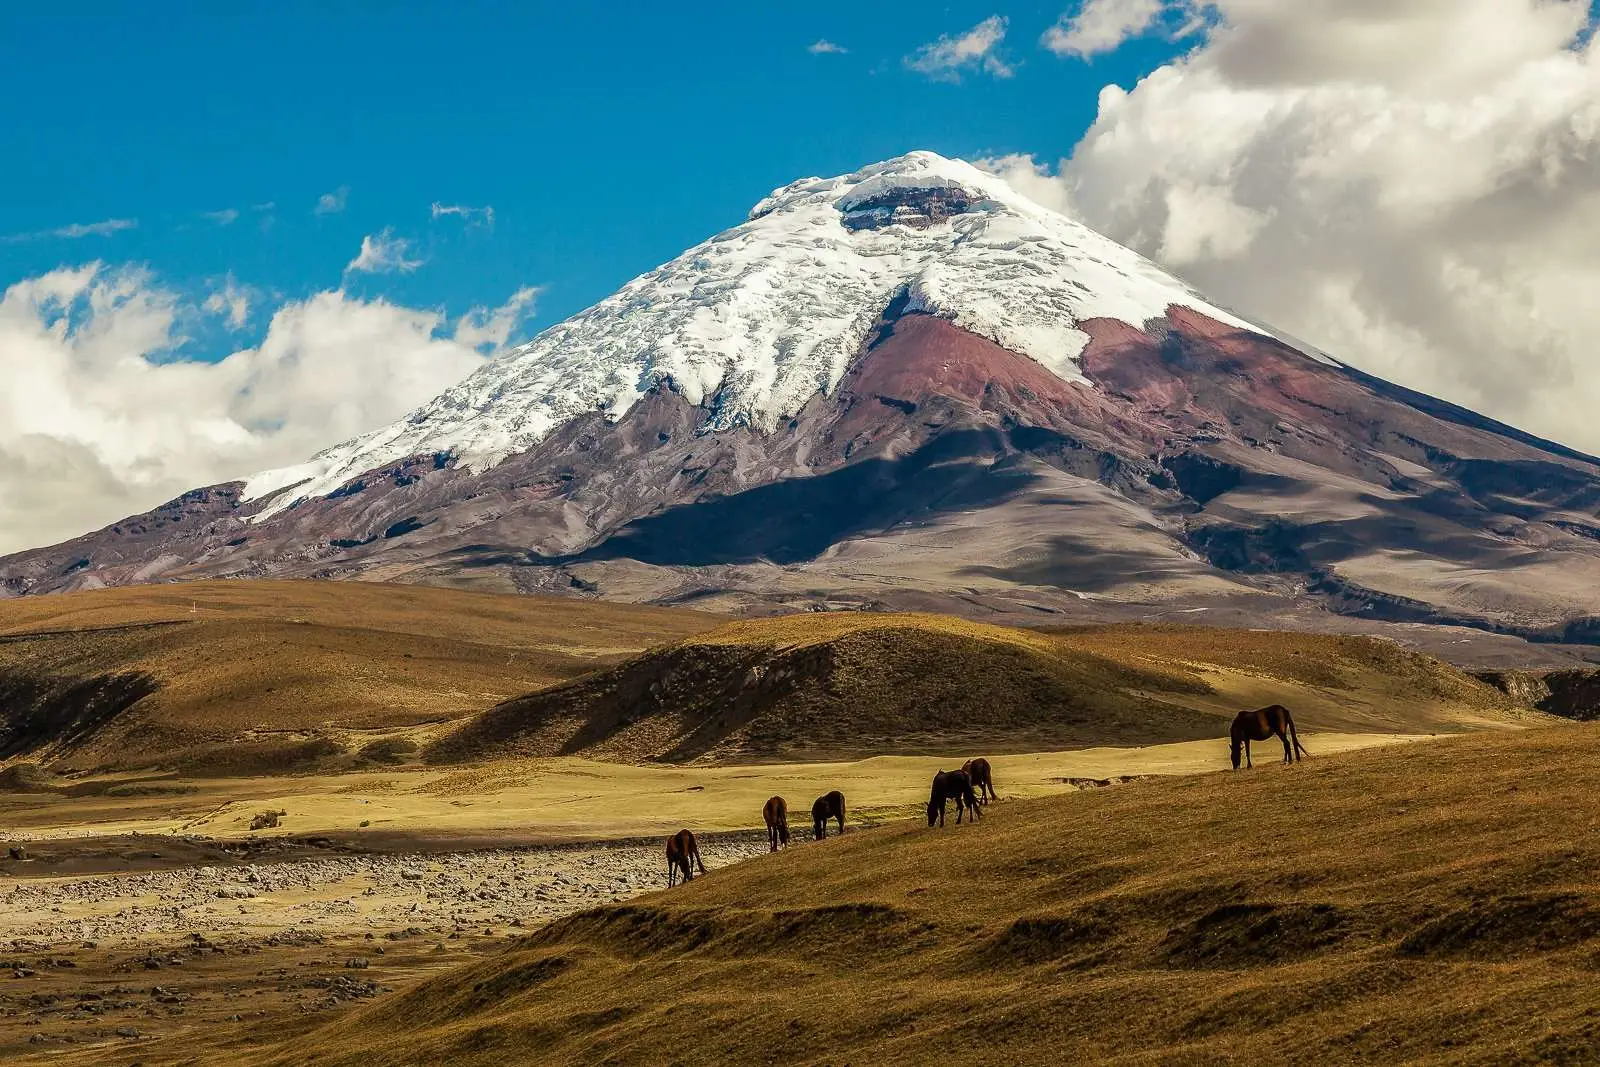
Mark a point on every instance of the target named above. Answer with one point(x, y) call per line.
point(776, 815)
point(982, 780)
point(828, 806)
point(956, 786)
point(1259, 725)
point(683, 855)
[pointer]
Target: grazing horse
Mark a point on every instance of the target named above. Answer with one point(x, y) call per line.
point(683, 855)
point(1259, 725)
point(982, 780)
point(828, 806)
point(952, 785)
point(776, 815)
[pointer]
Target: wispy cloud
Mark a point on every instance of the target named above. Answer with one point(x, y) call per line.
point(231, 301)
point(472, 216)
point(825, 47)
point(1103, 25)
point(976, 50)
point(332, 203)
point(267, 206)
point(74, 231)
point(226, 217)
point(484, 327)
point(383, 253)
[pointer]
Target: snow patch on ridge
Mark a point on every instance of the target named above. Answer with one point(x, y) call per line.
point(767, 314)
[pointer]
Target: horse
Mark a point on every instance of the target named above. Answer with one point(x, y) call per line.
point(952, 785)
point(828, 806)
point(982, 780)
point(1259, 725)
point(776, 815)
point(683, 855)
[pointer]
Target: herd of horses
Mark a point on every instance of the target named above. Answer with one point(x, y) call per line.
point(971, 788)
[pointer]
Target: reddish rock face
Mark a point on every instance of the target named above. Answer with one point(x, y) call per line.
point(1279, 472)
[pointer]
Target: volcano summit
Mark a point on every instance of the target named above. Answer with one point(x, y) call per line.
point(913, 387)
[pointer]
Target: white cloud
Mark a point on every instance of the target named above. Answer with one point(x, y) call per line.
point(977, 49)
point(479, 216)
point(75, 230)
point(1102, 25)
point(331, 203)
point(231, 301)
point(824, 47)
point(1411, 187)
point(99, 420)
point(383, 253)
point(226, 217)
point(492, 328)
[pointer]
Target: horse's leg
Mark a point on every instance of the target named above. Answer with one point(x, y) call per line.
point(1247, 763)
point(1288, 753)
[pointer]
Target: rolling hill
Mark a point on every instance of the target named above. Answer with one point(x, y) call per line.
point(260, 677)
point(845, 685)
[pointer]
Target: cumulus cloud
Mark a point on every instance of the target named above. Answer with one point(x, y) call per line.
point(332, 203)
point(486, 328)
point(226, 217)
point(825, 47)
point(976, 50)
point(1101, 25)
point(75, 231)
point(100, 417)
point(383, 253)
point(1411, 187)
point(479, 216)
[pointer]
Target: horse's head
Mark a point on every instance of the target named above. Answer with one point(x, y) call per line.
point(933, 812)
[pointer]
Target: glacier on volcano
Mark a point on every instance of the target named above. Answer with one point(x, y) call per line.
point(763, 316)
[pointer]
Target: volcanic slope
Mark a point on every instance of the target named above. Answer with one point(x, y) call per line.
point(814, 686)
point(912, 387)
point(267, 676)
point(1430, 903)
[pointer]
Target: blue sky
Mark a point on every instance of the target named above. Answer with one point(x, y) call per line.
point(606, 137)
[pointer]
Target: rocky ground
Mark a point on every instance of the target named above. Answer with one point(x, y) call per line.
point(92, 964)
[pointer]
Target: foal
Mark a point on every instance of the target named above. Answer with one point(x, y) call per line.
point(683, 855)
point(776, 815)
point(1259, 725)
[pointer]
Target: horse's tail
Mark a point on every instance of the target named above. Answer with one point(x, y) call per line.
point(1288, 720)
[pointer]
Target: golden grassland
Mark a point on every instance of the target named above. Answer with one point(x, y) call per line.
point(570, 799)
point(1428, 903)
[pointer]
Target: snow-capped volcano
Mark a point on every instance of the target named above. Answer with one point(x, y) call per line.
point(911, 386)
point(761, 317)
